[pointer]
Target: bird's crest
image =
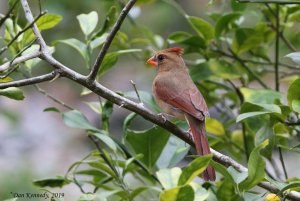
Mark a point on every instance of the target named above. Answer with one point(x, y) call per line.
point(179, 51)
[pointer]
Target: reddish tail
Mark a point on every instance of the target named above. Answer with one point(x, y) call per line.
point(197, 128)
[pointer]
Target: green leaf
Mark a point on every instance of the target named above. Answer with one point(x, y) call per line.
point(243, 116)
point(58, 181)
point(289, 186)
point(111, 59)
point(87, 197)
point(215, 127)
point(296, 105)
point(95, 106)
point(169, 177)
point(182, 193)
point(246, 39)
point(12, 199)
point(45, 22)
point(238, 177)
point(12, 93)
point(202, 27)
point(77, 45)
point(266, 133)
point(196, 167)
point(150, 143)
point(256, 168)
point(174, 151)
point(146, 98)
point(140, 190)
point(110, 19)
point(76, 119)
point(88, 22)
point(294, 91)
point(225, 23)
point(222, 69)
point(51, 109)
point(237, 6)
point(106, 140)
point(264, 96)
point(295, 56)
point(185, 38)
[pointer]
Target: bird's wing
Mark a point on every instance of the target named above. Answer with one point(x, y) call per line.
point(188, 100)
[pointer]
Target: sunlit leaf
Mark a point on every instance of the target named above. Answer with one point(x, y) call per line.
point(88, 22)
point(45, 22)
point(263, 96)
point(169, 177)
point(215, 127)
point(182, 193)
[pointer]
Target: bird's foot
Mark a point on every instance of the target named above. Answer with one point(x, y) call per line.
point(190, 135)
point(163, 116)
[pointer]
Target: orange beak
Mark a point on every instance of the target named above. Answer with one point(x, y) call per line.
point(152, 61)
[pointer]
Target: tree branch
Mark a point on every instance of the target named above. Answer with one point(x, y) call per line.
point(109, 39)
point(29, 81)
point(18, 60)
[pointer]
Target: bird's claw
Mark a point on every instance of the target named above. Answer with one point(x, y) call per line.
point(190, 135)
point(163, 117)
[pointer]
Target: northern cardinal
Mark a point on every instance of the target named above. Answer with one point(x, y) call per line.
point(178, 96)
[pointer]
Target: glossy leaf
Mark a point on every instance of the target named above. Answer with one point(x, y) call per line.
point(52, 182)
point(215, 127)
point(76, 119)
point(12, 93)
point(194, 169)
point(45, 22)
point(294, 91)
point(168, 178)
point(182, 193)
point(150, 143)
point(88, 22)
point(202, 27)
point(256, 168)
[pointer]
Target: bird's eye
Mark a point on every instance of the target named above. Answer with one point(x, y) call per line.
point(160, 57)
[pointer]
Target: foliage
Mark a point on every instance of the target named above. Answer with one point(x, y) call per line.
point(252, 119)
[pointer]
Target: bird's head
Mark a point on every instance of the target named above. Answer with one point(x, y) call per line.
point(167, 59)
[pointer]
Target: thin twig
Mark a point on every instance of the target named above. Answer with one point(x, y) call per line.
point(2, 20)
point(18, 60)
point(109, 39)
point(29, 81)
point(136, 91)
point(3, 49)
point(252, 73)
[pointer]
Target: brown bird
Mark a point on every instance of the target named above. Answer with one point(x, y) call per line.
point(178, 96)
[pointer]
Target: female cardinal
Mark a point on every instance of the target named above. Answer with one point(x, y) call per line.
point(177, 95)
